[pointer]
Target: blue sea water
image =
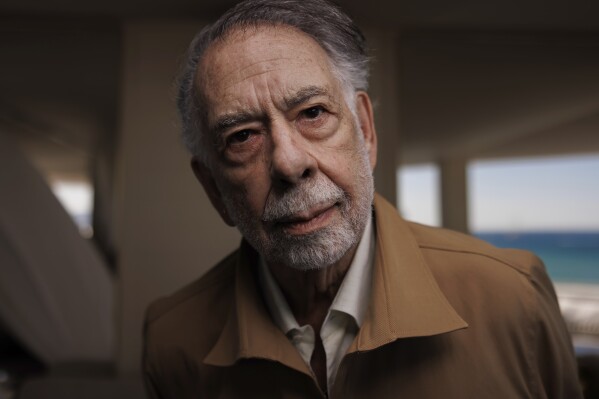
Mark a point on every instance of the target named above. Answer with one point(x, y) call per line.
point(568, 256)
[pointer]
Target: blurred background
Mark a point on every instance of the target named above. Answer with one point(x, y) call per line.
point(488, 120)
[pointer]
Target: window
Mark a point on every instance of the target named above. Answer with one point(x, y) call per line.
point(418, 193)
point(77, 199)
point(547, 205)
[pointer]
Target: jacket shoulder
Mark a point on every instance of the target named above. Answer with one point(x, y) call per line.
point(508, 300)
point(452, 242)
point(217, 278)
point(181, 329)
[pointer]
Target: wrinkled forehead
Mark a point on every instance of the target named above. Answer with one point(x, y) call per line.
point(280, 56)
point(250, 43)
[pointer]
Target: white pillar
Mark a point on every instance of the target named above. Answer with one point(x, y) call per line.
point(454, 194)
point(167, 233)
point(384, 91)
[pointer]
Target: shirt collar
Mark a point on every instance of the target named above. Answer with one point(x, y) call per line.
point(354, 292)
point(275, 301)
point(352, 297)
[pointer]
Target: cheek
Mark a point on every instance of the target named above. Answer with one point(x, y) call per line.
point(341, 169)
point(249, 186)
point(341, 161)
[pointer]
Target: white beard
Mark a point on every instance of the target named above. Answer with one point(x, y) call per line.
point(318, 249)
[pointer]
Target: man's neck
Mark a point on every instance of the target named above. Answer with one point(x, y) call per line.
point(310, 293)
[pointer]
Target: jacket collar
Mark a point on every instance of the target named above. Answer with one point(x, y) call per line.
point(405, 302)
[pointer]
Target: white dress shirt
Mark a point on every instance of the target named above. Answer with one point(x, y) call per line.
point(345, 315)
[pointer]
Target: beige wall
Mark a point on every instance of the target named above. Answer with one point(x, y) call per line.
point(384, 91)
point(166, 231)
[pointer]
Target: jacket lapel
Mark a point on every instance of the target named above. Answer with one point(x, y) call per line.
point(249, 331)
point(406, 300)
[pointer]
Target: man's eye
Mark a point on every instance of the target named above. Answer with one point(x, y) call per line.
point(239, 137)
point(313, 112)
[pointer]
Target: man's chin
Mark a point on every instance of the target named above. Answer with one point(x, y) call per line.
point(311, 251)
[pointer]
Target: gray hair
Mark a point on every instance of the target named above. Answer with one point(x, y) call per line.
point(325, 22)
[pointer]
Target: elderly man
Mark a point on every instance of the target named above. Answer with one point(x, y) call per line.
point(331, 293)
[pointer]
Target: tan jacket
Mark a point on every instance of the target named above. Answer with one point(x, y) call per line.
point(450, 317)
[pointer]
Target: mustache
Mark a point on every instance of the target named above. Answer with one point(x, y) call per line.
point(301, 198)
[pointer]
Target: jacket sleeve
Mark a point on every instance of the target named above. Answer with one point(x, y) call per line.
point(554, 363)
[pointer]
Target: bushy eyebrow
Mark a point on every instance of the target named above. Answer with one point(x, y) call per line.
point(230, 120)
point(305, 94)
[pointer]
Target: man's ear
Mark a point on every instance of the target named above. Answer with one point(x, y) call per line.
point(366, 120)
point(204, 176)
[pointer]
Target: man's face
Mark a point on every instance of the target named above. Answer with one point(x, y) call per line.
point(290, 164)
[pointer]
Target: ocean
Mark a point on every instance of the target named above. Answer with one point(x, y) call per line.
point(568, 256)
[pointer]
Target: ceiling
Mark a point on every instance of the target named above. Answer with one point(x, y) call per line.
point(498, 94)
point(468, 66)
point(410, 14)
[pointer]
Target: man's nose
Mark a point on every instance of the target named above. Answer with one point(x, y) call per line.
point(291, 160)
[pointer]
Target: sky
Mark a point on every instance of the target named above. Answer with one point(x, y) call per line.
point(418, 194)
point(536, 194)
